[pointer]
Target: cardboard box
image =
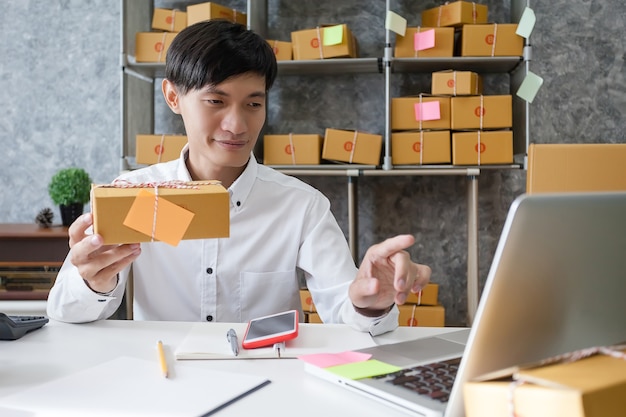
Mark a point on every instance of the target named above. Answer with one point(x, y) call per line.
point(208, 201)
point(152, 46)
point(444, 43)
point(306, 43)
point(590, 387)
point(421, 147)
point(312, 318)
point(412, 315)
point(428, 297)
point(152, 149)
point(307, 301)
point(570, 167)
point(491, 40)
point(455, 14)
point(352, 146)
point(292, 149)
point(456, 83)
point(170, 20)
point(282, 50)
point(404, 116)
point(482, 147)
point(209, 10)
point(481, 112)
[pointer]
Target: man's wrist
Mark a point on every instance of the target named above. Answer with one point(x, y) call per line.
point(105, 293)
point(370, 312)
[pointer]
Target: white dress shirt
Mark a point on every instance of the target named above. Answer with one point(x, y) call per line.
point(278, 225)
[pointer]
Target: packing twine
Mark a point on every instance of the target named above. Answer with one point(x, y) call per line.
point(162, 46)
point(293, 149)
point(416, 52)
point(319, 40)
point(493, 45)
point(421, 163)
point(353, 145)
point(421, 112)
point(478, 148)
point(474, 15)
point(612, 351)
point(454, 83)
point(173, 20)
point(161, 148)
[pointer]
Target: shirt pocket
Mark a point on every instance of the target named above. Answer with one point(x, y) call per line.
point(264, 293)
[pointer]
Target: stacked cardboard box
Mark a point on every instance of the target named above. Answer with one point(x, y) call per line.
point(308, 307)
point(455, 14)
point(323, 42)
point(408, 46)
point(282, 49)
point(352, 146)
point(292, 149)
point(152, 149)
point(209, 10)
point(423, 309)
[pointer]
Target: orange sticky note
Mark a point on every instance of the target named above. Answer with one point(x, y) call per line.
point(172, 221)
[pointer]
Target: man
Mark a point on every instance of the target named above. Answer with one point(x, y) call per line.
point(217, 78)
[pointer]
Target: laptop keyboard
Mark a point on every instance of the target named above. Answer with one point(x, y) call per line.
point(433, 380)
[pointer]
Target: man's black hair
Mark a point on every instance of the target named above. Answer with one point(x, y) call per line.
point(210, 52)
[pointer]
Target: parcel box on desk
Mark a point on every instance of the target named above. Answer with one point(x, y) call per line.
point(332, 41)
point(590, 387)
point(456, 83)
point(207, 201)
point(420, 147)
point(407, 46)
point(152, 149)
point(429, 296)
point(170, 20)
point(455, 14)
point(481, 112)
point(282, 50)
point(307, 301)
point(152, 46)
point(412, 315)
point(352, 146)
point(420, 112)
point(292, 149)
point(209, 10)
point(482, 147)
point(491, 40)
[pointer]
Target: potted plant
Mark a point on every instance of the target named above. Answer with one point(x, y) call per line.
point(70, 188)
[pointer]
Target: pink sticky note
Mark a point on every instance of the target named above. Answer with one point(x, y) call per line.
point(429, 110)
point(324, 360)
point(424, 40)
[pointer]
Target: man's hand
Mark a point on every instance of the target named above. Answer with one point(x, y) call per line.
point(96, 263)
point(387, 275)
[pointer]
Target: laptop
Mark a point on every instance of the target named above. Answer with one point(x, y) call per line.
point(556, 285)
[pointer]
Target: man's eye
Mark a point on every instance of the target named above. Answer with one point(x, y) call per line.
point(211, 101)
point(256, 105)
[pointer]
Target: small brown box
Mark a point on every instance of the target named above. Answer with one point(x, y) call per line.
point(282, 50)
point(403, 115)
point(481, 112)
point(427, 297)
point(482, 147)
point(456, 83)
point(152, 149)
point(491, 40)
point(292, 149)
point(209, 10)
point(313, 318)
point(412, 315)
point(306, 44)
point(352, 146)
point(444, 43)
point(420, 147)
point(455, 14)
point(170, 20)
point(307, 301)
point(152, 46)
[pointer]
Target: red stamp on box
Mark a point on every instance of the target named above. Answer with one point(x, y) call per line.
point(417, 147)
point(315, 43)
point(483, 147)
point(347, 146)
point(159, 150)
point(479, 111)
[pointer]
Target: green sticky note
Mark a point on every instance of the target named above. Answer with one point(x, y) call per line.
point(526, 23)
point(363, 369)
point(395, 23)
point(333, 35)
point(529, 87)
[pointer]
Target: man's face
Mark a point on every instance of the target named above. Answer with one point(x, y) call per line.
point(223, 121)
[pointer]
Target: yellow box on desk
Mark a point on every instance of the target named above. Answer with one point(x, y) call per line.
point(282, 50)
point(455, 14)
point(482, 147)
point(404, 115)
point(481, 112)
point(309, 44)
point(209, 10)
point(420, 147)
point(429, 296)
point(307, 301)
point(313, 318)
point(590, 387)
point(444, 43)
point(352, 146)
point(412, 315)
point(456, 83)
point(170, 20)
point(491, 40)
point(292, 149)
point(207, 201)
point(152, 46)
point(152, 149)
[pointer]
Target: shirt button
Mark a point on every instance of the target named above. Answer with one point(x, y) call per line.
point(238, 203)
point(209, 318)
point(209, 270)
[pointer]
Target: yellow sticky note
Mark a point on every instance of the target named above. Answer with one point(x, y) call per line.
point(172, 221)
point(333, 35)
point(395, 23)
point(364, 369)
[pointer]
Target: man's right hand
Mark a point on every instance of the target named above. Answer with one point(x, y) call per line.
point(98, 264)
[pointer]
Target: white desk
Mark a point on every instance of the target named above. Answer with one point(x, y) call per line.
point(61, 349)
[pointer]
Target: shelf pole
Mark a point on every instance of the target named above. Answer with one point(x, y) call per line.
point(353, 237)
point(472, 247)
point(387, 164)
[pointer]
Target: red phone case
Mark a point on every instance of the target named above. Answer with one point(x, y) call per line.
point(269, 340)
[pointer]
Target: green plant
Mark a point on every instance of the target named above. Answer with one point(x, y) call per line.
point(70, 185)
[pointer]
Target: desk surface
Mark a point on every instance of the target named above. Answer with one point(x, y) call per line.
point(61, 349)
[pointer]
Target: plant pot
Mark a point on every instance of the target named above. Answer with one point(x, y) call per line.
point(70, 212)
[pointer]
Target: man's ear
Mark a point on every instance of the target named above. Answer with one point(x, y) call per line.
point(170, 93)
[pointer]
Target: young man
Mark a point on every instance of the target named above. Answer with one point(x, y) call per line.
point(217, 77)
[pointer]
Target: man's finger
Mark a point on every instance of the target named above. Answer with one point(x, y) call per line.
point(392, 245)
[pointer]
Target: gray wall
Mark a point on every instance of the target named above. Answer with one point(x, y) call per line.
point(60, 95)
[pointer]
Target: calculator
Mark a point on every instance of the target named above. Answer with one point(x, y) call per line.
point(14, 327)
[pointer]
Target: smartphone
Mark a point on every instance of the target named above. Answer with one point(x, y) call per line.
point(267, 330)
